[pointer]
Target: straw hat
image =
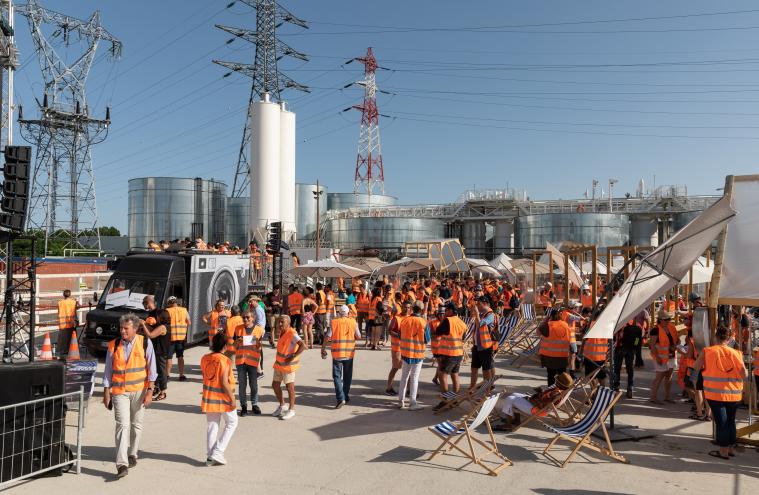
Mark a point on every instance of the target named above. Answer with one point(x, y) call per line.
point(564, 381)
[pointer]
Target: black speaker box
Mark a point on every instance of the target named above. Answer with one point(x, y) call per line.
point(32, 436)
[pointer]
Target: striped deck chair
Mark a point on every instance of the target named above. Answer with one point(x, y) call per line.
point(507, 327)
point(453, 400)
point(580, 432)
point(529, 352)
point(452, 433)
point(519, 335)
point(466, 339)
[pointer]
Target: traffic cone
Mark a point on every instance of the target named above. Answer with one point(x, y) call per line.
point(73, 354)
point(47, 349)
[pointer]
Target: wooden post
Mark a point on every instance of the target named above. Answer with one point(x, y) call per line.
point(566, 279)
point(594, 259)
point(713, 298)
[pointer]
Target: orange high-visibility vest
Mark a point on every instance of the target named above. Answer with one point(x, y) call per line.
point(723, 373)
point(214, 366)
point(412, 337)
point(362, 302)
point(215, 326)
point(395, 343)
point(179, 319)
point(285, 348)
point(661, 349)
point(434, 304)
point(586, 300)
point(484, 333)
point(343, 340)
point(373, 307)
point(322, 302)
point(248, 354)
point(294, 303)
point(128, 375)
point(451, 344)
point(595, 349)
point(434, 339)
point(556, 344)
point(232, 323)
point(330, 304)
point(66, 313)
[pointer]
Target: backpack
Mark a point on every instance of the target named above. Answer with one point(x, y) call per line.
point(495, 331)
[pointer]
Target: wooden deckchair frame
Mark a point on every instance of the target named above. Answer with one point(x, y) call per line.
point(474, 396)
point(451, 442)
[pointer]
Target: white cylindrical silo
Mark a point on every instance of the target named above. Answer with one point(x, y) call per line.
point(287, 172)
point(264, 166)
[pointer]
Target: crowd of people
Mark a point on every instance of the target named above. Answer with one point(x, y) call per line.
point(410, 318)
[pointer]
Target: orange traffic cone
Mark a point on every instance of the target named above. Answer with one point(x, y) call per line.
point(73, 354)
point(47, 349)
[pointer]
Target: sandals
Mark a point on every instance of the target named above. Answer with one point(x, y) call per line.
point(716, 453)
point(696, 417)
point(160, 396)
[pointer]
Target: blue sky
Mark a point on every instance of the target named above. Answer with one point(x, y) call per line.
point(540, 95)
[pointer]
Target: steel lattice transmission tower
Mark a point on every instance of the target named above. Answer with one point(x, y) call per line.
point(265, 76)
point(369, 171)
point(62, 199)
point(8, 63)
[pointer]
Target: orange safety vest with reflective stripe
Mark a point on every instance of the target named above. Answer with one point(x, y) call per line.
point(294, 303)
point(232, 323)
point(434, 339)
point(330, 302)
point(343, 339)
point(412, 337)
point(451, 344)
point(556, 344)
point(322, 302)
point(373, 307)
point(362, 303)
point(215, 327)
point(484, 333)
point(179, 319)
point(214, 366)
point(723, 374)
point(248, 354)
point(128, 375)
point(285, 348)
point(66, 313)
point(661, 349)
point(595, 349)
point(586, 300)
point(395, 344)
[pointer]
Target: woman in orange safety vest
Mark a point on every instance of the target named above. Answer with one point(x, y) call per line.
point(723, 374)
point(218, 399)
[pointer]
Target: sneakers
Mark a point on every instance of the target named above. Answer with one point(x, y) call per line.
point(256, 410)
point(280, 411)
point(629, 393)
point(218, 459)
point(415, 407)
point(260, 375)
point(401, 405)
point(390, 392)
point(242, 412)
point(209, 461)
point(340, 404)
point(132, 461)
point(439, 405)
point(182, 378)
point(121, 471)
point(287, 415)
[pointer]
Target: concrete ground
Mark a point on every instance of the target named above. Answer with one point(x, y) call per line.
point(369, 446)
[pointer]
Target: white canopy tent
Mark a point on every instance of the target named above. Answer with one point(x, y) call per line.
point(481, 267)
point(662, 269)
point(327, 269)
point(406, 265)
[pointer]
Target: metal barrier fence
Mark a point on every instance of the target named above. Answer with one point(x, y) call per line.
point(33, 437)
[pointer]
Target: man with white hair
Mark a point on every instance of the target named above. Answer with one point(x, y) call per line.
point(342, 334)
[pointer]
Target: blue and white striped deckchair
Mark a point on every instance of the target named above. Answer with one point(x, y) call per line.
point(506, 327)
point(580, 432)
point(452, 399)
point(528, 311)
point(452, 433)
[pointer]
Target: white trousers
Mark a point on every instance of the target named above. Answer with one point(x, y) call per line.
point(218, 443)
point(409, 372)
point(129, 412)
point(516, 401)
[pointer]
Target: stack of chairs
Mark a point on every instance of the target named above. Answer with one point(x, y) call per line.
point(519, 335)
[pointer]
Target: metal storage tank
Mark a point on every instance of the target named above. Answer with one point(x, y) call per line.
point(237, 221)
point(682, 219)
point(503, 236)
point(473, 238)
point(305, 209)
point(264, 163)
point(644, 231)
point(174, 208)
point(287, 173)
point(601, 229)
point(343, 201)
point(381, 232)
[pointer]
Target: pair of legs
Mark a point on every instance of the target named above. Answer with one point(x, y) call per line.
point(409, 379)
point(481, 359)
point(160, 381)
point(342, 376)
point(176, 347)
point(723, 414)
point(626, 357)
point(376, 333)
point(318, 328)
point(662, 377)
point(308, 335)
point(64, 341)
point(276, 384)
point(449, 366)
point(216, 443)
point(396, 364)
point(129, 411)
point(247, 375)
point(360, 319)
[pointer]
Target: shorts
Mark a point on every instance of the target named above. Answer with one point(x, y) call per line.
point(450, 364)
point(482, 359)
point(177, 347)
point(591, 366)
point(700, 382)
point(282, 377)
point(662, 367)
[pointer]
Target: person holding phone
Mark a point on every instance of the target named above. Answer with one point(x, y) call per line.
point(128, 385)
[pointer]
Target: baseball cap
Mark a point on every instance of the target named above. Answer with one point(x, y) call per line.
point(344, 310)
point(451, 306)
point(171, 299)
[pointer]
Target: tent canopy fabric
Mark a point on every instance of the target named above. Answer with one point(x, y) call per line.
point(662, 269)
point(575, 277)
point(480, 266)
point(368, 264)
point(739, 267)
point(701, 273)
point(501, 263)
point(587, 268)
point(329, 269)
point(524, 265)
point(406, 265)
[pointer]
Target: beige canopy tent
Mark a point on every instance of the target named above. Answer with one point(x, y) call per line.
point(327, 269)
point(406, 265)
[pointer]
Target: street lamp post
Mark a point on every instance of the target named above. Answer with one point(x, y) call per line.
point(317, 196)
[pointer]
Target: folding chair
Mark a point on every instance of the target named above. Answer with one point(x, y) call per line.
point(475, 397)
point(530, 352)
point(552, 411)
point(580, 432)
point(506, 327)
point(466, 339)
point(452, 434)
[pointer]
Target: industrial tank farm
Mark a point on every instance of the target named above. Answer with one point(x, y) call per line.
point(601, 229)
